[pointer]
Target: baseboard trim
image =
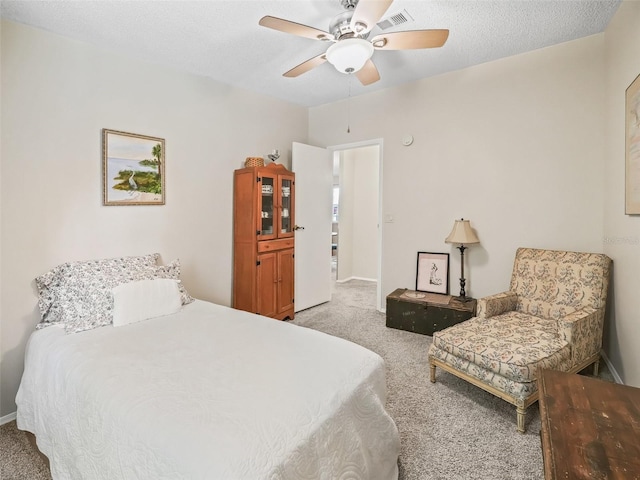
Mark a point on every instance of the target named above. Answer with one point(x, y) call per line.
point(356, 278)
point(8, 418)
point(614, 372)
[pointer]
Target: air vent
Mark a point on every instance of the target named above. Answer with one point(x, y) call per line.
point(395, 19)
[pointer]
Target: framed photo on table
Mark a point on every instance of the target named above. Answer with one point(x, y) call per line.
point(433, 273)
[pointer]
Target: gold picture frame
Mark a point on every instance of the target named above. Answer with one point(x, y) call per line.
point(132, 169)
point(632, 148)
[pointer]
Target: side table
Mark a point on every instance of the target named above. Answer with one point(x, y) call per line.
point(589, 428)
point(428, 314)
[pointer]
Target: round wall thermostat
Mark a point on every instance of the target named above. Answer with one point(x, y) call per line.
point(407, 140)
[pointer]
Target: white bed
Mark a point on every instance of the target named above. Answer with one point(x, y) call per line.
point(206, 393)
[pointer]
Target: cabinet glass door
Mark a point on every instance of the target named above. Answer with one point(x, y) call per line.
point(286, 203)
point(267, 211)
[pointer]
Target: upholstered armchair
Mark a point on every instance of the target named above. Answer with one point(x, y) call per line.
point(551, 317)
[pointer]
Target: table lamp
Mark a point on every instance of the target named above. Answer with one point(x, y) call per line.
point(462, 234)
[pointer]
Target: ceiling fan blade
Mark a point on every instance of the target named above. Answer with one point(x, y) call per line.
point(368, 74)
point(367, 14)
point(306, 66)
point(411, 39)
point(294, 28)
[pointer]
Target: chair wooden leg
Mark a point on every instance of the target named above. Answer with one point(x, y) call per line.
point(521, 412)
point(432, 367)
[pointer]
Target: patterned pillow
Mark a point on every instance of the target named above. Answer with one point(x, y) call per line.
point(84, 299)
point(62, 287)
point(171, 271)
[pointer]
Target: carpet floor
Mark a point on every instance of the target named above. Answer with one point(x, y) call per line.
point(448, 430)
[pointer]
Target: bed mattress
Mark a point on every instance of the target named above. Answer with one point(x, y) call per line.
point(207, 393)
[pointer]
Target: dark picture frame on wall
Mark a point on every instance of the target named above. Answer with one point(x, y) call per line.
point(132, 169)
point(632, 148)
point(432, 273)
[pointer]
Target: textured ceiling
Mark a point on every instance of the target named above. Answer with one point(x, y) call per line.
point(221, 39)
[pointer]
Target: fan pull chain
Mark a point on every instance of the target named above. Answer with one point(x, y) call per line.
point(349, 106)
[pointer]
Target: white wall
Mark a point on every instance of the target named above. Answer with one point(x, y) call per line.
point(57, 95)
point(519, 146)
point(358, 247)
point(515, 145)
point(621, 232)
point(345, 221)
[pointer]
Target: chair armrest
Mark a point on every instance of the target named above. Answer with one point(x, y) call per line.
point(496, 304)
point(582, 330)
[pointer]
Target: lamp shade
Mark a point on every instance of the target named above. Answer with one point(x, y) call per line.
point(462, 233)
point(349, 55)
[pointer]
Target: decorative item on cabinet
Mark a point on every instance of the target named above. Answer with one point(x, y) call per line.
point(254, 162)
point(273, 156)
point(263, 240)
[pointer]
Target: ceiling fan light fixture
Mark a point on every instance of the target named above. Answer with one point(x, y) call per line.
point(359, 27)
point(349, 55)
point(379, 42)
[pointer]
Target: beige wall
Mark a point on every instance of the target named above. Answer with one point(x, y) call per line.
point(514, 145)
point(621, 232)
point(520, 146)
point(57, 95)
point(530, 148)
point(358, 214)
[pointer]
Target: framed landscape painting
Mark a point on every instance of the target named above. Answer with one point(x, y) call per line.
point(133, 169)
point(433, 273)
point(632, 144)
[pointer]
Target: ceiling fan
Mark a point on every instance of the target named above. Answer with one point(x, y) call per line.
point(351, 50)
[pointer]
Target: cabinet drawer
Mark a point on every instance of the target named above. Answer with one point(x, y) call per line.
point(271, 245)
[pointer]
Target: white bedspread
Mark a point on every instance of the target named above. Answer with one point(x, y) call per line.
point(207, 393)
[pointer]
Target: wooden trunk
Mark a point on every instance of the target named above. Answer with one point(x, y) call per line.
point(426, 315)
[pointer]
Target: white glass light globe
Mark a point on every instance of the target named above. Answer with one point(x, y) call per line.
point(349, 55)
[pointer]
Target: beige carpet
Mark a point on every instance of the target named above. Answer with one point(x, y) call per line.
point(449, 430)
point(19, 460)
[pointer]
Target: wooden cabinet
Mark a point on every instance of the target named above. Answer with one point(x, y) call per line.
point(430, 313)
point(263, 244)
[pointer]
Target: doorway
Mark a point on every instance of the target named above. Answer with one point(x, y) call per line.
point(356, 236)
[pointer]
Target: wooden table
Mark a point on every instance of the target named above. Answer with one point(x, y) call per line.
point(590, 428)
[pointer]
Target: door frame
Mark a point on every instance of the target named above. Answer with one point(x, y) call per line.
point(366, 143)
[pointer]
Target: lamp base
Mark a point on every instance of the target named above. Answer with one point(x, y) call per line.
point(464, 299)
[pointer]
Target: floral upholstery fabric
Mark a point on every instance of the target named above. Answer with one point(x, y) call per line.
point(551, 283)
point(512, 345)
point(497, 304)
point(520, 390)
point(583, 331)
point(551, 317)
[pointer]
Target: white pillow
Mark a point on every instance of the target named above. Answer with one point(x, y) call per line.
point(144, 299)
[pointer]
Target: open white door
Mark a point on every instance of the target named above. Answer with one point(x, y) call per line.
point(313, 167)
